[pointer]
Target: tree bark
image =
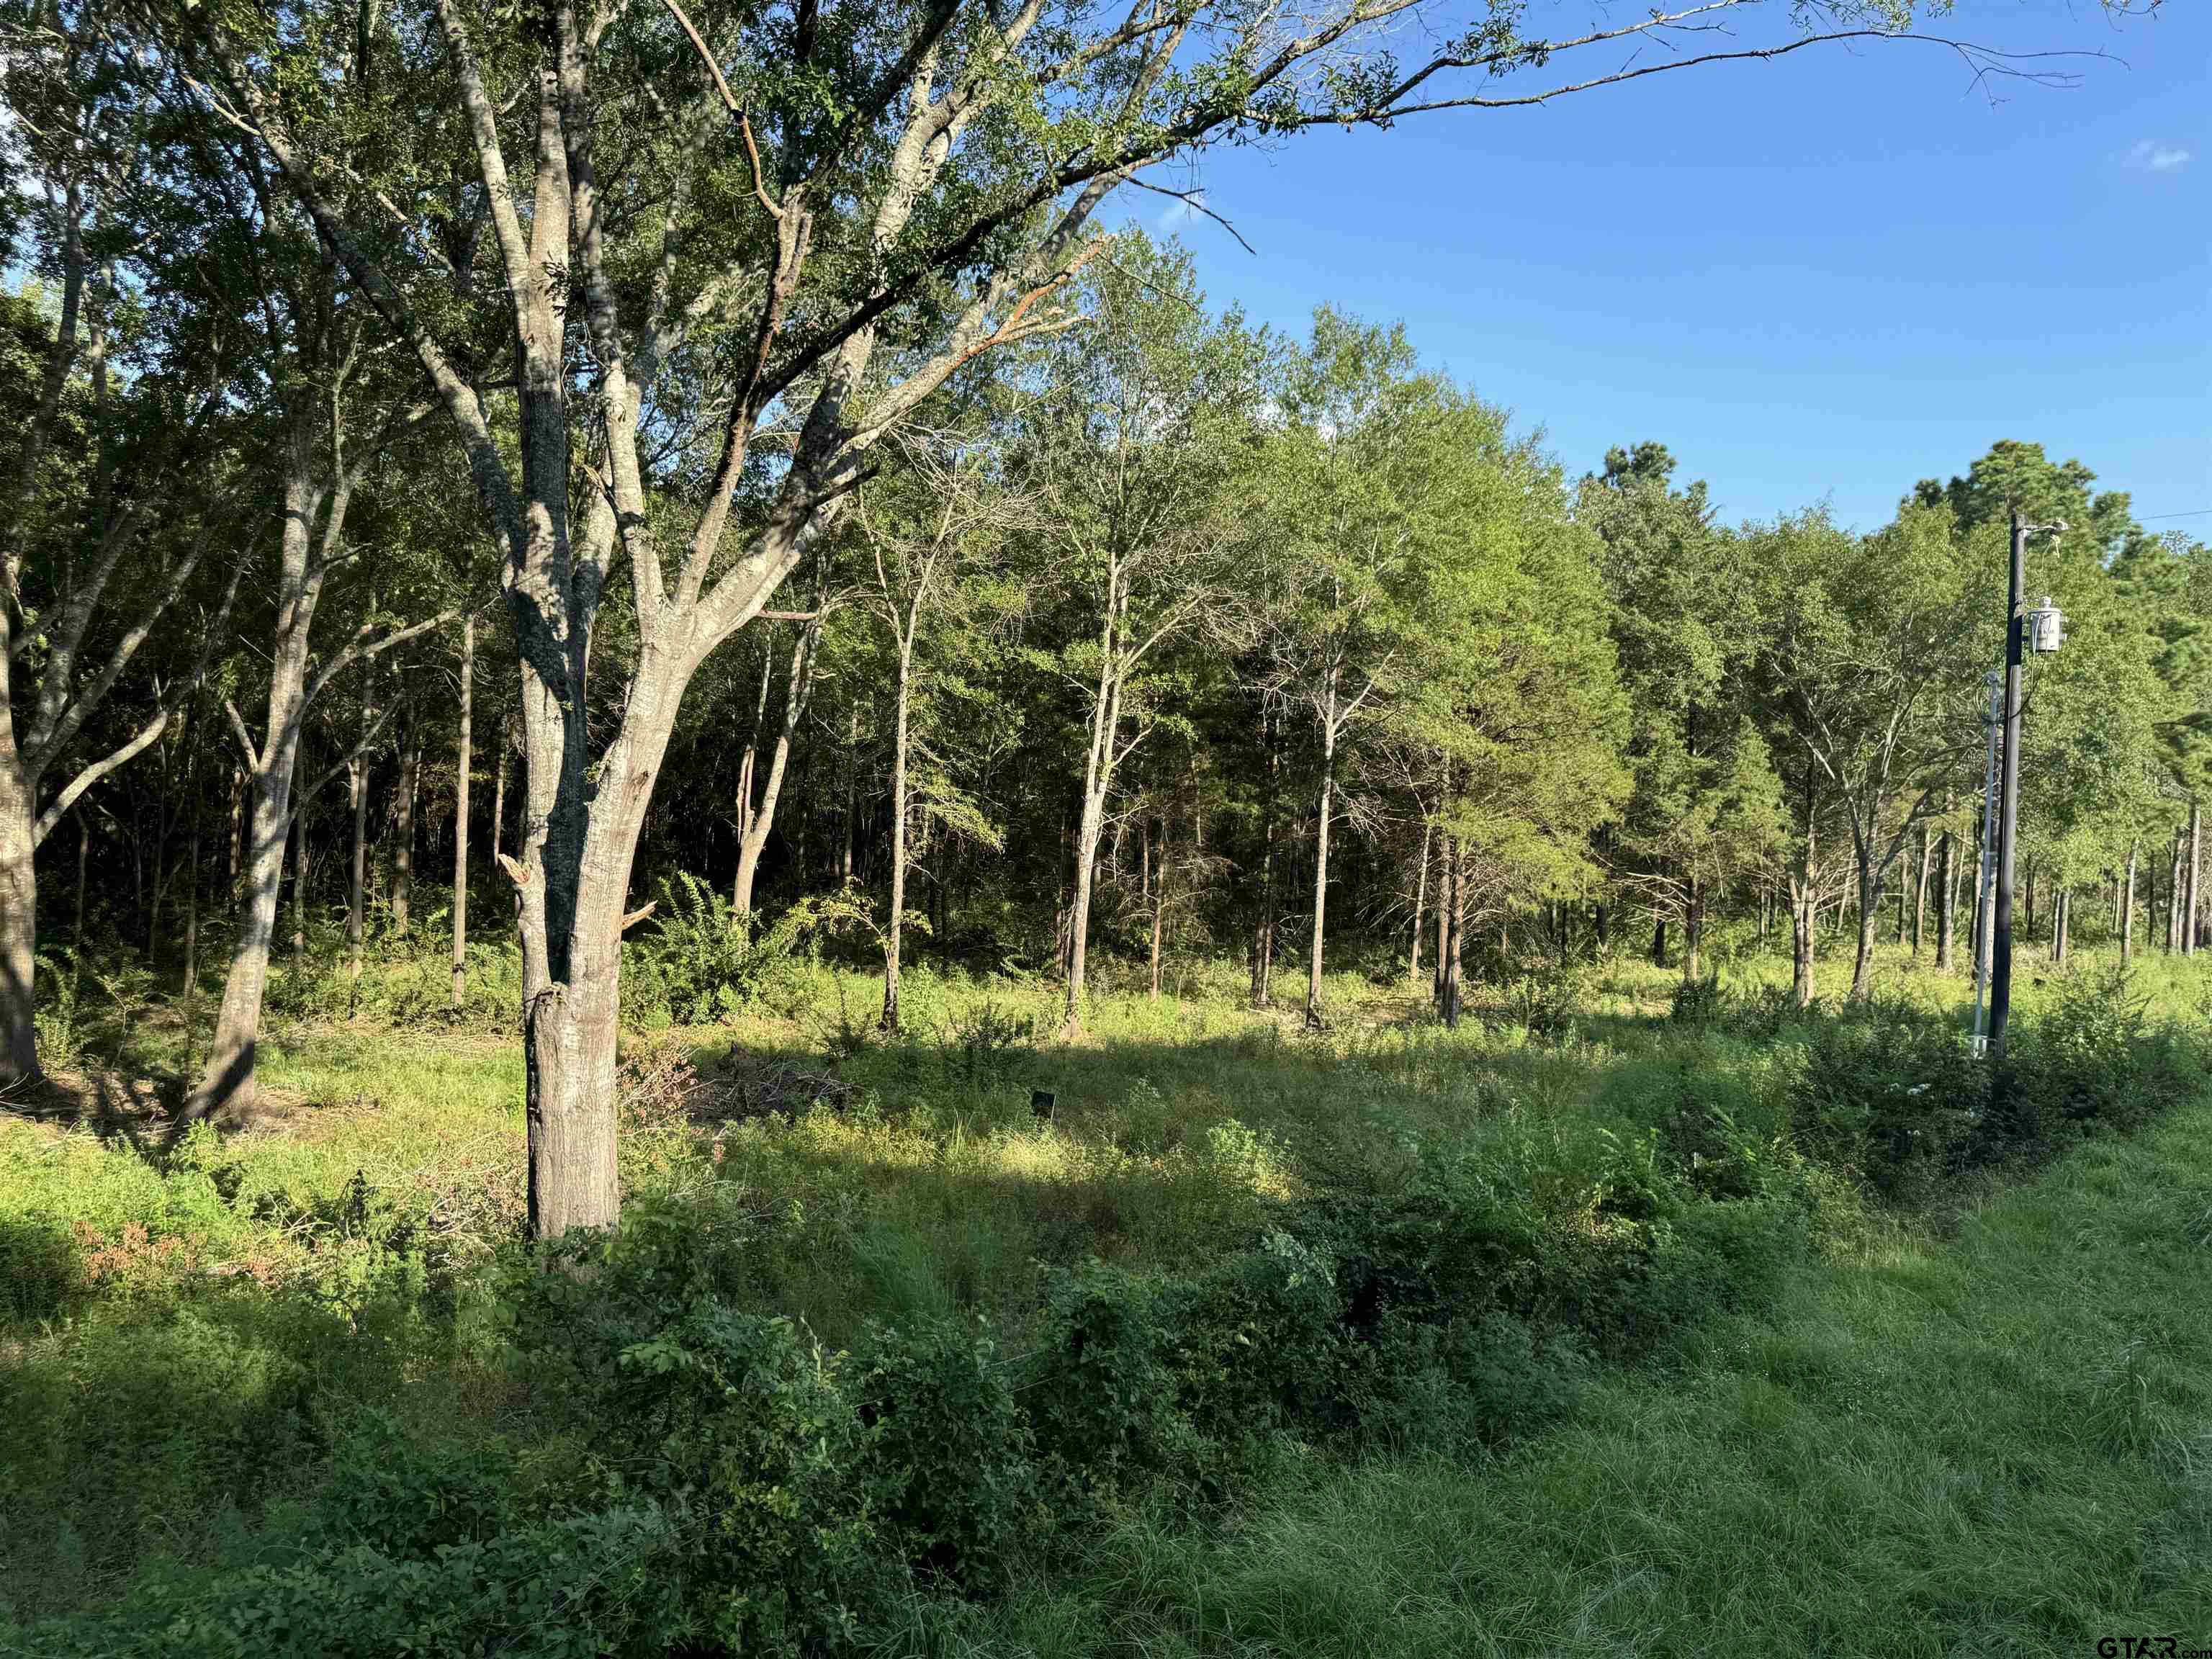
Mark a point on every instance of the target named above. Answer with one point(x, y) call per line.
point(1420, 903)
point(1448, 985)
point(299, 889)
point(19, 909)
point(1920, 889)
point(1321, 849)
point(1159, 904)
point(228, 1082)
point(761, 817)
point(894, 926)
point(2128, 910)
point(2195, 871)
point(1263, 928)
point(747, 766)
point(1869, 922)
point(1659, 943)
point(403, 852)
point(1947, 905)
point(463, 759)
point(1097, 780)
point(499, 794)
point(356, 880)
point(1693, 930)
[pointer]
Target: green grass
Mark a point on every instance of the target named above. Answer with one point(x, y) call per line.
point(1979, 1425)
point(1997, 1441)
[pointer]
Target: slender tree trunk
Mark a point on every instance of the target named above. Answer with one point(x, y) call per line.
point(2128, 910)
point(1159, 904)
point(403, 853)
point(894, 926)
point(356, 881)
point(83, 869)
point(1447, 958)
point(1659, 943)
point(1097, 778)
point(463, 760)
point(747, 763)
point(1693, 930)
point(2061, 928)
point(1947, 904)
point(499, 794)
point(1870, 921)
point(1420, 903)
point(762, 819)
point(1920, 889)
point(2195, 870)
point(299, 889)
point(1321, 849)
point(228, 1083)
point(2173, 889)
point(1263, 929)
point(192, 979)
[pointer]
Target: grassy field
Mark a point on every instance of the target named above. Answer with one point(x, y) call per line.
point(1579, 1328)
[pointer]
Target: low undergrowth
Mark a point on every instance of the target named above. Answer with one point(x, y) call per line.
point(903, 1342)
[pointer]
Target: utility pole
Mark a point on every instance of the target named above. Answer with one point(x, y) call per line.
point(2043, 629)
point(2008, 801)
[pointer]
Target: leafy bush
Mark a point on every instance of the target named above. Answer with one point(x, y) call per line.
point(1698, 1002)
point(949, 1465)
point(2093, 1055)
point(703, 963)
point(1893, 1092)
point(1545, 1000)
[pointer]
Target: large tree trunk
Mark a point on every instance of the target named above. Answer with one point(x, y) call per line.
point(19, 910)
point(893, 926)
point(761, 819)
point(1321, 849)
point(463, 759)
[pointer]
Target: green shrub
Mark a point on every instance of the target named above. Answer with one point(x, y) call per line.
point(949, 1465)
point(1892, 1092)
point(1103, 1396)
point(703, 963)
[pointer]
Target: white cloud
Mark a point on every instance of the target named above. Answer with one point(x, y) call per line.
point(2156, 156)
point(1179, 211)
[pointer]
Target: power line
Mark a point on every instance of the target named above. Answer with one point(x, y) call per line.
point(2193, 513)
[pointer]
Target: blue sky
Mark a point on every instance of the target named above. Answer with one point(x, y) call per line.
point(1821, 277)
